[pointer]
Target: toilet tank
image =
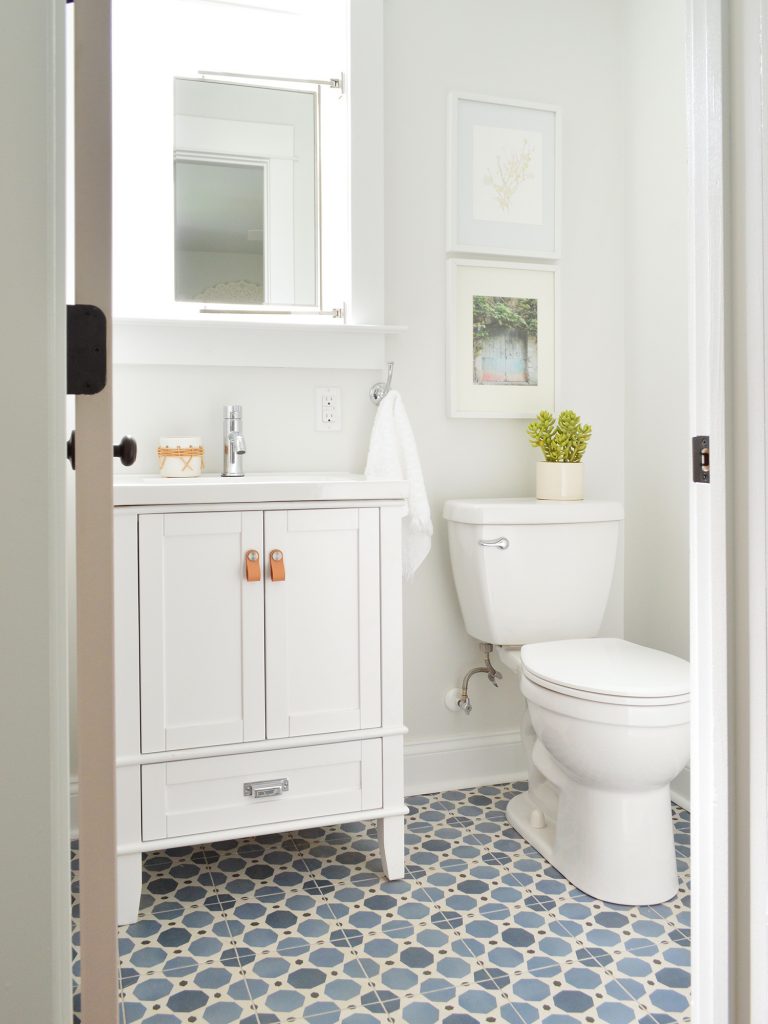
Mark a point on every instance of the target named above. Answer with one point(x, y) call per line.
point(550, 581)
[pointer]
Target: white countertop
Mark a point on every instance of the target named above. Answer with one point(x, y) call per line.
point(253, 487)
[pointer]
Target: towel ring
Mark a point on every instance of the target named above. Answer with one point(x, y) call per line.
point(381, 390)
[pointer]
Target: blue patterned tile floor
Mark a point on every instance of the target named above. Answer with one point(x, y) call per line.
point(302, 927)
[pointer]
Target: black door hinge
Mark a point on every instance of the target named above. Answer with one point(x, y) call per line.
point(700, 446)
point(86, 350)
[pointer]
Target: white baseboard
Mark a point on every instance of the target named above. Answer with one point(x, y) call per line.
point(481, 761)
point(463, 762)
point(455, 763)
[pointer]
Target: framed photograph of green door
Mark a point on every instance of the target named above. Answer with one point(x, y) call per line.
point(502, 329)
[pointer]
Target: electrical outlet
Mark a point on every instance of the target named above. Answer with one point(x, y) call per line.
point(327, 408)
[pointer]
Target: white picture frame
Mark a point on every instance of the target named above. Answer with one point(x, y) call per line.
point(504, 170)
point(497, 366)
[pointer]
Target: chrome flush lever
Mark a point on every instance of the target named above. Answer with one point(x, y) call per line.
point(500, 542)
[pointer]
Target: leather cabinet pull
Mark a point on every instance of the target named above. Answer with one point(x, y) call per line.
point(277, 565)
point(252, 566)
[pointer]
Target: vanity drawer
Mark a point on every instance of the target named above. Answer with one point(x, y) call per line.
point(181, 798)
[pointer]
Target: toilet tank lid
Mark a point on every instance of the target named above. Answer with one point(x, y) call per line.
point(523, 511)
point(607, 666)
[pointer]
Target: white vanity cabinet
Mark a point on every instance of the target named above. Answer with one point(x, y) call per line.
point(263, 700)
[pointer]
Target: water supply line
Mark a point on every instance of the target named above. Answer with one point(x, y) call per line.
point(464, 703)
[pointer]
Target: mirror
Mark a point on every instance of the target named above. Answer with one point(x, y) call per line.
point(246, 183)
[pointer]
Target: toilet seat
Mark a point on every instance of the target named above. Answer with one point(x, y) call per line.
point(608, 671)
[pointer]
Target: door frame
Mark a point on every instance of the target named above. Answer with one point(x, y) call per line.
point(749, 335)
point(711, 938)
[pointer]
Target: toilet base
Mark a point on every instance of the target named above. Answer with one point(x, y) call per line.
point(521, 810)
point(634, 883)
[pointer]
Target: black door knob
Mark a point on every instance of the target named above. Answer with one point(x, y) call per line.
point(126, 451)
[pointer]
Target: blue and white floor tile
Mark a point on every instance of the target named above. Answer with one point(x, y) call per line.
point(302, 927)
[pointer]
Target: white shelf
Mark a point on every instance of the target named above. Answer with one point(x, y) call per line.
point(222, 341)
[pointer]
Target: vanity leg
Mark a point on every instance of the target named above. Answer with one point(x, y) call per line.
point(391, 833)
point(128, 887)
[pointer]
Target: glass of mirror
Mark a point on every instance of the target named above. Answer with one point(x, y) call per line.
point(247, 211)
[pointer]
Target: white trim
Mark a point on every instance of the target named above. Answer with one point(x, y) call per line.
point(710, 714)
point(750, 282)
point(365, 263)
point(757, 412)
point(248, 340)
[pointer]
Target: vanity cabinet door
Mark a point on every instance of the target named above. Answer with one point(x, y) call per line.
point(323, 633)
point(202, 630)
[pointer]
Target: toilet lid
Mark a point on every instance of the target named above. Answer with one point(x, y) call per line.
point(609, 670)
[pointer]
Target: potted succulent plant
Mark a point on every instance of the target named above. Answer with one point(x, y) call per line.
point(563, 442)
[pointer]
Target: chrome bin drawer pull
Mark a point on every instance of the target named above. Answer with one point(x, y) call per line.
point(272, 787)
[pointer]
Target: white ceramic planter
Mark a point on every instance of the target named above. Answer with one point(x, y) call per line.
point(560, 481)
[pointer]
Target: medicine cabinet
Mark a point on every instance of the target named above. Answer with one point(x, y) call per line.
point(248, 179)
point(247, 219)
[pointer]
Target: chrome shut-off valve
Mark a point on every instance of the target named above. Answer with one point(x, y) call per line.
point(486, 669)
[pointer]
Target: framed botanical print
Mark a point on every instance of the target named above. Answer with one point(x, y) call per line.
point(504, 177)
point(502, 332)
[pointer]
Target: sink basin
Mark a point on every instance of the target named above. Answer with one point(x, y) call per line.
point(253, 487)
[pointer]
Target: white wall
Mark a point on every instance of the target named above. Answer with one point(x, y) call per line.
point(551, 52)
point(656, 387)
point(546, 51)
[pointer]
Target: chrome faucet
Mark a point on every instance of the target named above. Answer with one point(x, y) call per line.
point(234, 442)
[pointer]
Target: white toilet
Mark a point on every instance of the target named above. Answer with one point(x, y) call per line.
point(606, 723)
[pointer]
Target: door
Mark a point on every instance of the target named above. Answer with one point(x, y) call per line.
point(95, 626)
point(35, 958)
point(323, 633)
point(202, 629)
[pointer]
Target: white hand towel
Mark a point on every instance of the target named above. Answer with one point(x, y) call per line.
point(392, 455)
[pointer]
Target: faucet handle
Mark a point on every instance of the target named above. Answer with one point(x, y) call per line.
point(236, 444)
